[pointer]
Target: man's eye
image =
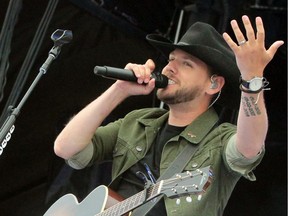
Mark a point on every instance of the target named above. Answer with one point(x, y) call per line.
point(187, 64)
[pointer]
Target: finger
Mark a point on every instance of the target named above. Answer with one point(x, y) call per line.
point(140, 72)
point(147, 74)
point(130, 66)
point(260, 31)
point(143, 72)
point(150, 64)
point(149, 67)
point(238, 33)
point(250, 34)
point(150, 86)
point(230, 42)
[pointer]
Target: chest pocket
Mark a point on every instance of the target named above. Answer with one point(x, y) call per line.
point(125, 155)
point(197, 162)
point(204, 157)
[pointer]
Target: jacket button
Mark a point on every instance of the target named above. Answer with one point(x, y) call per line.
point(194, 165)
point(139, 148)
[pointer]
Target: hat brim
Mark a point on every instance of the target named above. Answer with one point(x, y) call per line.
point(222, 65)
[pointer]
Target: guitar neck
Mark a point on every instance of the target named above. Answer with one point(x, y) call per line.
point(133, 202)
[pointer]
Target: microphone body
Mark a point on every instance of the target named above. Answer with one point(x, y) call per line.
point(161, 81)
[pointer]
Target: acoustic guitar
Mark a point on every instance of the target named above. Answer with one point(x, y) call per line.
point(103, 201)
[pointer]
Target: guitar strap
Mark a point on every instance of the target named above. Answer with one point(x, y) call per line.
point(177, 166)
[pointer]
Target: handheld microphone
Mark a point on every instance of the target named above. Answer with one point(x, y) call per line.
point(161, 81)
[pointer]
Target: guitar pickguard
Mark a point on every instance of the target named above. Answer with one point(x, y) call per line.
point(68, 205)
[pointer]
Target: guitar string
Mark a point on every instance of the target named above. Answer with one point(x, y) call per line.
point(136, 199)
point(151, 192)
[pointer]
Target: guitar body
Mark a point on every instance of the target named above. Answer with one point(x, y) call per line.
point(68, 205)
point(110, 203)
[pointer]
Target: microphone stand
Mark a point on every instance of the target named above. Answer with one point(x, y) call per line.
point(60, 37)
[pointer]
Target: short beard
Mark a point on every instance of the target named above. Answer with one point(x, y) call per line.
point(180, 96)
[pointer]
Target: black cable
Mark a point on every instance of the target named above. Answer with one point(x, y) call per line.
point(34, 49)
point(30, 58)
point(9, 23)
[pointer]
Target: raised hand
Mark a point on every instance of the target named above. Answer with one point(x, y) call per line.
point(249, 49)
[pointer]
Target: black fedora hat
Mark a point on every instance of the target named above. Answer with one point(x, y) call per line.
point(203, 41)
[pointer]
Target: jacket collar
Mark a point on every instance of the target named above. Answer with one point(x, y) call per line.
point(194, 132)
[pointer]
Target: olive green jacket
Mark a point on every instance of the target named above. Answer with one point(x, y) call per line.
point(127, 140)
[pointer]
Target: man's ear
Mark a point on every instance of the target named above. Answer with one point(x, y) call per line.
point(217, 83)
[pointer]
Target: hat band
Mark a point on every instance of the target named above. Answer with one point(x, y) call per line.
point(182, 43)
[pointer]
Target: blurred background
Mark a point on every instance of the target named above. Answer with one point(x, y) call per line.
point(110, 32)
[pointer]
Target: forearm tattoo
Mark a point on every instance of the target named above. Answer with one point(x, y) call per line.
point(250, 106)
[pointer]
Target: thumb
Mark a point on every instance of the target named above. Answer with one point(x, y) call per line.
point(274, 47)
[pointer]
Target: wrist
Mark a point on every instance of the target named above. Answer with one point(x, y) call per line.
point(246, 90)
point(118, 91)
point(254, 85)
